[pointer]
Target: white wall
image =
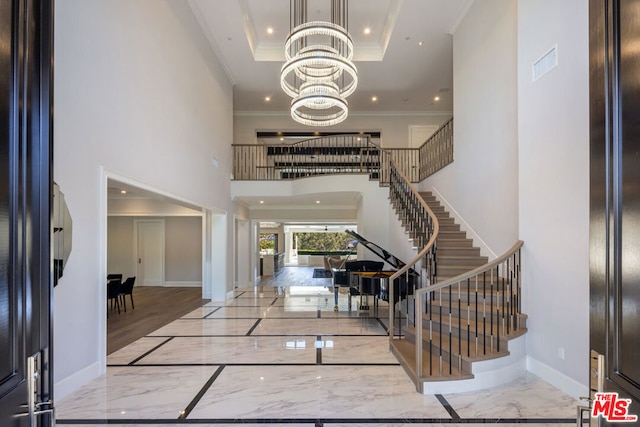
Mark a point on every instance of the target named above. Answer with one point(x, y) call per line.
point(183, 251)
point(394, 127)
point(482, 182)
point(243, 253)
point(138, 95)
point(553, 123)
point(373, 217)
point(120, 251)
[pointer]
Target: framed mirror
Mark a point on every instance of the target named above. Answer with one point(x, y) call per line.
point(61, 233)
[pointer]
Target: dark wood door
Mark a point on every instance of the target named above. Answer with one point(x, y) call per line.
point(25, 194)
point(615, 194)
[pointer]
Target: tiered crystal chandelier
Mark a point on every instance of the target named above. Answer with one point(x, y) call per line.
point(318, 73)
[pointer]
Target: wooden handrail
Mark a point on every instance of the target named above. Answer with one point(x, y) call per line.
point(421, 253)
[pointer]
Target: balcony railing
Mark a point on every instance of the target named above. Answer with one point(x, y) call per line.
point(342, 154)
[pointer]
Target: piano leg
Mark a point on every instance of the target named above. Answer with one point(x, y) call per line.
point(335, 295)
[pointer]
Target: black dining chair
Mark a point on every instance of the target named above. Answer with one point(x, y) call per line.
point(114, 277)
point(113, 294)
point(127, 289)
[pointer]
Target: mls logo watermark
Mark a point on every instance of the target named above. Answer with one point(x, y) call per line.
point(612, 408)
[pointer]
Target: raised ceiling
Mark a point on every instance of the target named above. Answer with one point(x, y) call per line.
point(405, 61)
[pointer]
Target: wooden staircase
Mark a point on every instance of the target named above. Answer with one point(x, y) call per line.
point(468, 322)
point(456, 253)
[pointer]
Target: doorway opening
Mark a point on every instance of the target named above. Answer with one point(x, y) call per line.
point(157, 243)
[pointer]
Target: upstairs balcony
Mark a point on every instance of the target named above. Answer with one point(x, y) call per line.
point(342, 154)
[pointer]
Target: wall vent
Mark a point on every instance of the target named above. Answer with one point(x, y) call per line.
point(546, 63)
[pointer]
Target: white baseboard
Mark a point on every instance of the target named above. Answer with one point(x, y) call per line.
point(230, 295)
point(464, 226)
point(557, 379)
point(480, 381)
point(182, 284)
point(74, 381)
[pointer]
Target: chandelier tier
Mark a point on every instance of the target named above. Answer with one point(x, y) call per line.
point(318, 72)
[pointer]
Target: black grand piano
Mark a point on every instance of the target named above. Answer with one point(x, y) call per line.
point(366, 277)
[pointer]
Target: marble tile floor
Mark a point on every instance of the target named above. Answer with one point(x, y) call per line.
point(279, 355)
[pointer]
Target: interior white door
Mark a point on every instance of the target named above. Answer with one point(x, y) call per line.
point(150, 252)
point(419, 134)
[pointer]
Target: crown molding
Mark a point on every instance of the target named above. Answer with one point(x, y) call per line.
point(463, 12)
point(197, 12)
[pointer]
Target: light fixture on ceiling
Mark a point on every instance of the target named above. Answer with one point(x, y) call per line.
point(318, 72)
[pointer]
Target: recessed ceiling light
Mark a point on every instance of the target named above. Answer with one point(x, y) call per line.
point(123, 191)
point(261, 202)
point(419, 43)
point(267, 98)
point(317, 201)
point(436, 98)
point(269, 30)
point(281, 139)
point(374, 98)
point(367, 30)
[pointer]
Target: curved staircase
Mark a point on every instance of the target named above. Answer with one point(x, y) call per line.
point(470, 316)
point(456, 253)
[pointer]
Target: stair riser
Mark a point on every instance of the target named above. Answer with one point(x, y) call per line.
point(447, 221)
point(449, 227)
point(453, 270)
point(458, 251)
point(454, 243)
point(472, 261)
point(426, 195)
point(444, 234)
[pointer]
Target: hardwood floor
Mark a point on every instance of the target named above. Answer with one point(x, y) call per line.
point(155, 307)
